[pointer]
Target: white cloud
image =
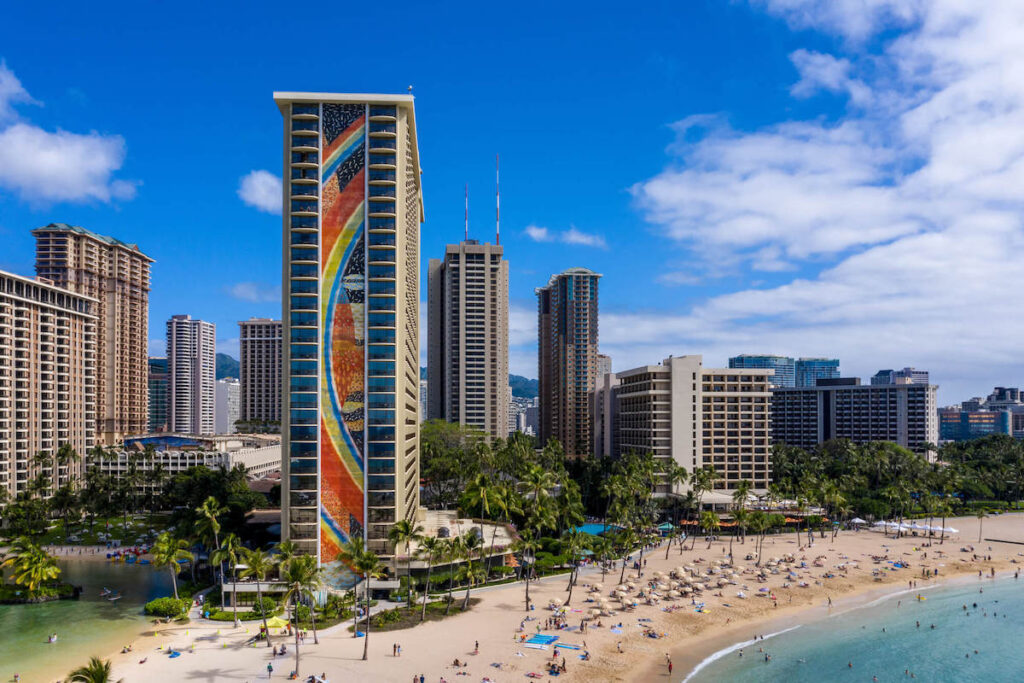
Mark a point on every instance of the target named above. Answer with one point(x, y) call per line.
point(44, 167)
point(255, 292)
point(261, 190)
point(11, 92)
point(824, 72)
point(570, 236)
point(678, 277)
point(902, 218)
point(537, 233)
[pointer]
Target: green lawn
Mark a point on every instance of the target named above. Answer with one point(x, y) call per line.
point(138, 525)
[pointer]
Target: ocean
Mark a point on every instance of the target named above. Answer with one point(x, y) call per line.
point(824, 649)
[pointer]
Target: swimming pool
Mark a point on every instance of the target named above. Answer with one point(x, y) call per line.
point(595, 529)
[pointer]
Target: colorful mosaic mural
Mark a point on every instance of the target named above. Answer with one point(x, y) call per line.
point(342, 311)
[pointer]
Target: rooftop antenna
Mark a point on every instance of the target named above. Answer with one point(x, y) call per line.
point(410, 89)
point(497, 202)
point(467, 212)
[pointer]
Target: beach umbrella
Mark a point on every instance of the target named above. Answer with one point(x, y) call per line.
point(858, 520)
point(698, 586)
point(951, 530)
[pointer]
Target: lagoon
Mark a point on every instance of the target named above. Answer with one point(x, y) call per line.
point(89, 626)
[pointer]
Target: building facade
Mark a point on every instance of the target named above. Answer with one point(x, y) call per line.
point(810, 370)
point(47, 380)
point(567, 350)
point(604, 415)
point(159, 416)
point(117, 275)
point(699, 417)
point(350, 418)
point(784, 367)
point(904, 376)
point(227, 399)
point(965, 425)
point(846, 409)
point(260, 367)
point(191, 369)
point(467, 350)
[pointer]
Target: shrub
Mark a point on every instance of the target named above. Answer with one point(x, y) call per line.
point(302, 613)
point(167, 607)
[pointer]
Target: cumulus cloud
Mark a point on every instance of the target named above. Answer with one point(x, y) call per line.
point(899, 219)
point(255, 292)
point(42, 167)
point(570, 236)
point(825, 72)
point(261, 190)
point(11, 92)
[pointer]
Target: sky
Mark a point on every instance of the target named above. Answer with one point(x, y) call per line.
point(835, 178)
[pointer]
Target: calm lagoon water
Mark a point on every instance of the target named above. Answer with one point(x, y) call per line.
point(89, 626)
point(821, 651)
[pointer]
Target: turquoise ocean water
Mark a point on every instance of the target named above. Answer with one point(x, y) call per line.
point(821, 651)
point(85, 627)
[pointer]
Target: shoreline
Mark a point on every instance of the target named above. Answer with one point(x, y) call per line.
point(853, 561)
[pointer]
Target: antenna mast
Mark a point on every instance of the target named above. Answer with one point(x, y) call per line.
point(467, 211)
point(497, 203)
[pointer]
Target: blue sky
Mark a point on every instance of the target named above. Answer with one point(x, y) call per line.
point(803, 177)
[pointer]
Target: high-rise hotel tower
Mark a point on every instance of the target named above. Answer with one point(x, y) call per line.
point(350, 418)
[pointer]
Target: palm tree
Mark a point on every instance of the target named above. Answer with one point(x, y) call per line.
point(471, 545)
point(64, 502)
point(453, 553)
point(431, 547)
point(258, 564)
point(207, 526)
point(507, 503)
point(573, 542)
point(404, 532)
point(740, 493)
point(710, 522)
point(66, 454)
point(300, 576)
point(32, 566)
point(369, 566)
point(981, 514)
point(286, 552)
point(602, 548)
point(229, 551)
point(167, 551)
point(349, 555)
point(96, 671)
point(527, 546)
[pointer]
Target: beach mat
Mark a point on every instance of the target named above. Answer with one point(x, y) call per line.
point(535, 646)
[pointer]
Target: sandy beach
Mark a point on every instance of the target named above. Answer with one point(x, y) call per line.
point(217, 652)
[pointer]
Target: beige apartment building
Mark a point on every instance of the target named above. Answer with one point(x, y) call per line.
point(567, 358)
point(116, 274)
point(351, 236)
point(698, 416)
point(467, 353)
point(259, 364)
point(47, 380)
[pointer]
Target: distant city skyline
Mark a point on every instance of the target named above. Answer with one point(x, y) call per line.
point(796, 178)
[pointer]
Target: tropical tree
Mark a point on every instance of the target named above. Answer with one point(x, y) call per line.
point(710, 522)
point(574, 542)
point(96, 671)
point(369, 566)
point(258, 565)
point(431, 547)
point(208, 526)
point(454, 551)
point(403, 533)
point(301, 578)
point(65, 502)
point(229, 550)
point(602, 549)
point(168, 551)
point(349, 555)
point(472, 543)
point(981, 514)
point(527, 547)
point(32, 566)
point(506, 502)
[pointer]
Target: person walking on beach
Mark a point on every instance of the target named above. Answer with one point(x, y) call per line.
point(270, 669)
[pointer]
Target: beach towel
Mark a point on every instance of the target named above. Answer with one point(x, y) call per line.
point(536, 646)
point(567, 646)
point(616, 630)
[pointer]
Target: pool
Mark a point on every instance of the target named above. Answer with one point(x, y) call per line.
point(597, 529)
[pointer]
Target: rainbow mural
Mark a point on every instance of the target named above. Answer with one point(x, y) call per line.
point(342, 311)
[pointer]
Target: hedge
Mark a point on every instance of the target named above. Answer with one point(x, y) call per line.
point(167, 607)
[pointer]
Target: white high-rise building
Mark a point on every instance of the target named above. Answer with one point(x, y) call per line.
point(228, 402)
point(191, 371)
